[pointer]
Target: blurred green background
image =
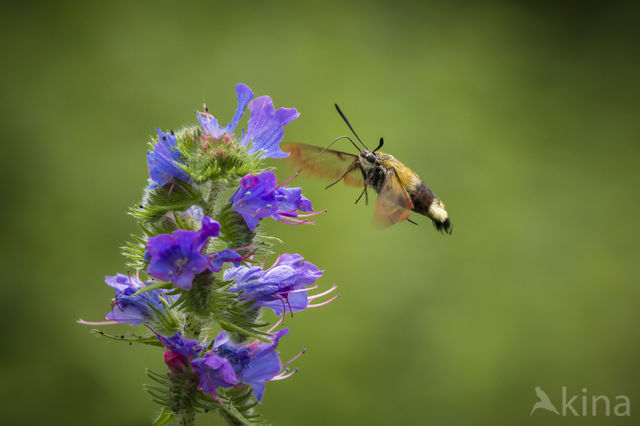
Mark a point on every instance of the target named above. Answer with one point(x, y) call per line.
point(522, 117)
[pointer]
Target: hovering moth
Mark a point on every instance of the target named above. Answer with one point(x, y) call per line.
point(400, 190)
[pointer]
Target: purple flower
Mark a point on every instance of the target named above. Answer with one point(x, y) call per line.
point(135, 310)
point(217, 260)
point(179, 352)
point(163, 161)
point(193, 217)
point(253, 364)
point(259, 196)
point(210, 124)
point(265, 127)
point(187, 348)
point(178, 257)
point(214, 371)
point(279, 287)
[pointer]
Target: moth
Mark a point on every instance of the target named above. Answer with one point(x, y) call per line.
point(400, 190)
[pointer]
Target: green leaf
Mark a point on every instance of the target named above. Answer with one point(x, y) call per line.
point(150, 287)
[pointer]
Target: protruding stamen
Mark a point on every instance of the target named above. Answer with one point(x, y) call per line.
point(256, 342)
point(303, 289)
point(287, 181)
point(275, 325)
point(312, 213)
point(315, 296)
point(292, 221)
point(246, 247)
point(83, 322)
point(285, 376)
point(317, 305)
point(295, 357)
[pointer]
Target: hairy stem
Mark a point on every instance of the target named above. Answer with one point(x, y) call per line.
point(186, 418)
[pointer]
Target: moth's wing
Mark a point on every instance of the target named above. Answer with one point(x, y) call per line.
point(394, 203)
point(329, 164)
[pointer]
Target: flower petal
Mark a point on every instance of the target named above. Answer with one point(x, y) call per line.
point(244, 96)
point(265, 128)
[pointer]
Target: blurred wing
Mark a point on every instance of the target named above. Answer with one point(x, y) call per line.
point(394, 204)
point(330, 164)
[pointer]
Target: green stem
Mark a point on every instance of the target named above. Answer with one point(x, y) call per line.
point(186, 418)
point(192, 326)
point(190, 330)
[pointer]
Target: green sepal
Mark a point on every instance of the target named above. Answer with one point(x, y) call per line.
point(161, 379)
point(150, 287)
point(147, 340)
point(164, 417)
point(159, 201)
point(159, 394)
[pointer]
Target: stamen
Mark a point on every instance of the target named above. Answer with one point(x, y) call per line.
point(289, 304)
point(246, 247)
point(315, 296)
point(287, 212)
point(219, 399)
point(255, 342)
point(317, 305)
point(287, 181)
point(170, 188)
point(83, 322)
point(152, 330)
point(295, 357)
point(284, 376)
point(284, 309)
point(312, 213)
point(291, 221)
point(303, 289)
point(275, 325)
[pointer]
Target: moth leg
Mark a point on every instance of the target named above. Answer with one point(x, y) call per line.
point(410, 221)
point(349, 170)
point(364, 192)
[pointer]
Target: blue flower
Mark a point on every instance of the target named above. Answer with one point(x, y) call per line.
point(284, 285)
point(193, 217)
point(178, 345)
point(214, 371)
point(180, 351)
point(178, 257)
point(254, 365)
point(163, 161)
point(258, 196)
point(135, 310)
point(265, 127)
point(210, 124)
point(217, 259)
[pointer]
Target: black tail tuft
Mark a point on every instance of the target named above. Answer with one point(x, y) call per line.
point(445, 226)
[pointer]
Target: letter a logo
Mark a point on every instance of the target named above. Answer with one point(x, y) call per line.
point(543, 402)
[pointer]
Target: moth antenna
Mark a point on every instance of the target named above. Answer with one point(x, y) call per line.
point(351, 128)
point(379, 145)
